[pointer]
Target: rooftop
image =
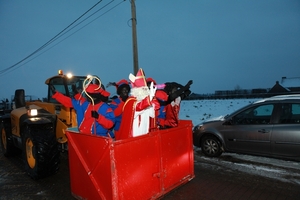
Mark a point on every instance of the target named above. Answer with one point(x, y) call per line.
point(290, 82)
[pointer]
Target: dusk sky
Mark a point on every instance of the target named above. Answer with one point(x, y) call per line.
point(219, 44)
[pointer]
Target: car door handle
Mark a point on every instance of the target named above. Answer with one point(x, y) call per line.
point(263, 131)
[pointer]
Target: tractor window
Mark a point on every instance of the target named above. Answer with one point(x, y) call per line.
point(59, 85)
point(65, 86)
point(77, 82)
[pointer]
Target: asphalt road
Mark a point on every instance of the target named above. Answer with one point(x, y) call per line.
point(227, 177)
point(234, 176)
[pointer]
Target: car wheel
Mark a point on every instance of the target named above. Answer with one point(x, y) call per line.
point(210, 146)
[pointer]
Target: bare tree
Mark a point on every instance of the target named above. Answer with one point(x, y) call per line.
point(237, 89)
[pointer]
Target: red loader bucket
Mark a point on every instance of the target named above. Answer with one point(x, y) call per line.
point(144, 167)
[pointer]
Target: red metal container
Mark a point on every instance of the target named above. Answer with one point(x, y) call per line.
point(144, 167)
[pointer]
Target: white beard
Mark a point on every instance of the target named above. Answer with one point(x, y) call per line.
point(140, 93)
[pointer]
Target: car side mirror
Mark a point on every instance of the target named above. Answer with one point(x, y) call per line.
point(228, 122)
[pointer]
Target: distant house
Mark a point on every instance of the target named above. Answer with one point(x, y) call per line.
point(287, 85)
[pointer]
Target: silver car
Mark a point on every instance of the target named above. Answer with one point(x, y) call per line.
point(268, 127)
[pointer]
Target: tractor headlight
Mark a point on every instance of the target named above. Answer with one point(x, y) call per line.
point(32, 112)
point(69, 75)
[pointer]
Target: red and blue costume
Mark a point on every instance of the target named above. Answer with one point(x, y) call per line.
point(117, 104)
point(169, 96)
point(87, 123)
point(162, 98)
point(117, 107)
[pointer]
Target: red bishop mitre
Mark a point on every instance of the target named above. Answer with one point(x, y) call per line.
point(138, 80)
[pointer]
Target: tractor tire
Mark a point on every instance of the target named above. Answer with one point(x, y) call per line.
point(40, 152)
point(7, 146)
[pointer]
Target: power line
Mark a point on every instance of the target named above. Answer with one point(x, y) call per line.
point(59, 35)
point(44, 45)
point(85, 20)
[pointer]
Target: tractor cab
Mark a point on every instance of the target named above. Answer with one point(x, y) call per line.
point(66, 117)
point(65, 84)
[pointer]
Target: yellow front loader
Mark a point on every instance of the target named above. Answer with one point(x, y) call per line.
point(37, 128)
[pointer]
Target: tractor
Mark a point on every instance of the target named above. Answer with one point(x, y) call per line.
point(35, 129)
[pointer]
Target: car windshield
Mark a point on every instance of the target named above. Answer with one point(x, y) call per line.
point(237, 111)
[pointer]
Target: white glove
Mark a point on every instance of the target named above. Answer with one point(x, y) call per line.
point(152, 91)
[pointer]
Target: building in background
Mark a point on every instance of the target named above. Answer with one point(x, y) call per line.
point(287, 85)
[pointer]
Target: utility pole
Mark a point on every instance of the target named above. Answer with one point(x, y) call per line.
point(134, 38)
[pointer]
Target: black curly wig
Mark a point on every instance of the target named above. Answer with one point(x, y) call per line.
point(120, 88)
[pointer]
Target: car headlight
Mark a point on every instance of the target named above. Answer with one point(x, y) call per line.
point(32, 112)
